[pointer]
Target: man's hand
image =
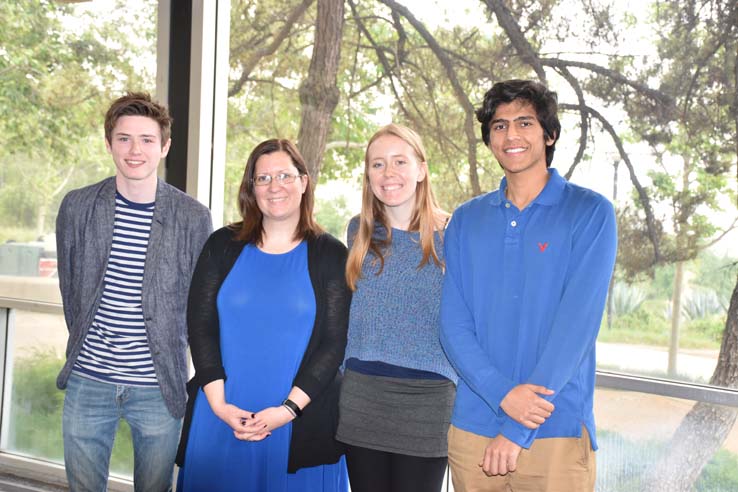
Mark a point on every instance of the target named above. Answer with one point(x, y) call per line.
point(523, 405)
point(500, 456)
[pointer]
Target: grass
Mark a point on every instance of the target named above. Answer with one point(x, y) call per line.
point(36, 414)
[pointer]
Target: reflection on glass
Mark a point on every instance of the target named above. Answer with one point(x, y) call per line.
point(52, 137)
point(52, 142)
point(635, 434)
point(670, 326)
point(33, 412)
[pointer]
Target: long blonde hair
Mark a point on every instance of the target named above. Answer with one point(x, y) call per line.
point(427, 217)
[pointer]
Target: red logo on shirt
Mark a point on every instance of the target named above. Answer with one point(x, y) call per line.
point(542, 246)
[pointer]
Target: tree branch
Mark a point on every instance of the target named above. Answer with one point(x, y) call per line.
point(583, 124)
point(459, 91)
point(642, 195)
point(383, 60)
point(722, 234)
point(658, 96)
point(516, 36)
point(257, 55)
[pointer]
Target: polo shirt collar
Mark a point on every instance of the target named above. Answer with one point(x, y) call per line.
point(550, 194)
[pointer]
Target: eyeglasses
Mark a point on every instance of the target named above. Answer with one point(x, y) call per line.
point(281, 178)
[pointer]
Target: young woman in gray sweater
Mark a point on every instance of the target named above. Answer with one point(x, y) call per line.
point(399, 388)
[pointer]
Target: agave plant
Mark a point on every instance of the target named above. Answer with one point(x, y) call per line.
point(626, 298)
point(701, 303)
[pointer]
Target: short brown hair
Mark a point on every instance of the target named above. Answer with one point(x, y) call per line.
point(250, 228)
point(138, 104)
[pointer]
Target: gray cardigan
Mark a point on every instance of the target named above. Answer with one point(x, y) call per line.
point(84, 235)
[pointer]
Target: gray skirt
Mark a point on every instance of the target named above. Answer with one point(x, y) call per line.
point(405, 416)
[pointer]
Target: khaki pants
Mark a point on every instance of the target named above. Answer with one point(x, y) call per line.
point(565, 464)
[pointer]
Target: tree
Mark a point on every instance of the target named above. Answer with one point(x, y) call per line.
point(318, 92)
point(51, 136)
point(690, 116)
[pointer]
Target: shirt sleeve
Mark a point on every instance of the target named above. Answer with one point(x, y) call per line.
point(319, 369)
point(458, 329)
point(65, 234)
point(203, 323)
point(201, 229)
point(579, 314)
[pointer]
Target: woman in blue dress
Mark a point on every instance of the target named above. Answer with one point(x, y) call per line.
point(267, 320)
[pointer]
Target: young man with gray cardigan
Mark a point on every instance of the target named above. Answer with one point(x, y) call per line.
point(126, 250)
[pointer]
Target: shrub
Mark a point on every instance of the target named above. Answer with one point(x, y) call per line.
point(647, 318)
point(36, 413)
point(721, 473)
point(710, 327)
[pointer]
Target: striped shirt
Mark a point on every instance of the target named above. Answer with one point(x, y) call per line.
point(116, 348)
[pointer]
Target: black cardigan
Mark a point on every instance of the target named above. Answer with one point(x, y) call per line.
point(313, 434)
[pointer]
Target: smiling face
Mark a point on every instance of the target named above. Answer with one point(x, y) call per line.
point(278, 201)
point(394, 171)
point(136, 148)
point(517, 139)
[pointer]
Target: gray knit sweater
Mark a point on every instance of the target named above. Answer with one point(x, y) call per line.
point(394, 316)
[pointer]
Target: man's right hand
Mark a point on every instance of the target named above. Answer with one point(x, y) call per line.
point(523, 405)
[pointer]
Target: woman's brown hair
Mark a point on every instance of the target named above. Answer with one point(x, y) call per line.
point(427, 217)
point(250, 228)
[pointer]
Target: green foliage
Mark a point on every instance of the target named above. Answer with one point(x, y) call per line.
point(720, 473)
point(626, 298)
point(622, 463)
point(333, 215)
point(36, 413)
point(710, 328)
point(717, 273)
point(61, 67)
point(663, 281)
point(647, 318)
point(700, 304)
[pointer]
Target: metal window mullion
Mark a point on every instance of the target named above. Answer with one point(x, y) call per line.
point(663, 387)
point(7, 320)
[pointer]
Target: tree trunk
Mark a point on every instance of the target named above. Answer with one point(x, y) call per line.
point(41, 218)
point(705, 427)
point(735, 112)
point(676, 317)
point(612, 278)
point(318, 92)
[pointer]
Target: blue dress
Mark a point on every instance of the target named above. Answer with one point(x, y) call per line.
point(266, 308)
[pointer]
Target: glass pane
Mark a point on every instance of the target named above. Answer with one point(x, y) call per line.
point(642, 335)
point(635, 431)
point(32, 415)
point(62, 65)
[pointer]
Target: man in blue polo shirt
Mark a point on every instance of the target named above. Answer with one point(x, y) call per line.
point(527, 273)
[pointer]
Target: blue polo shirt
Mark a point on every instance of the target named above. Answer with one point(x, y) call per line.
point(523, 298)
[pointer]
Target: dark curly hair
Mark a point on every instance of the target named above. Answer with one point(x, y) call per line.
point(543, 101)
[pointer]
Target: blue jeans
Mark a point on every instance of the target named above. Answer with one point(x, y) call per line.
point(92, 410)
